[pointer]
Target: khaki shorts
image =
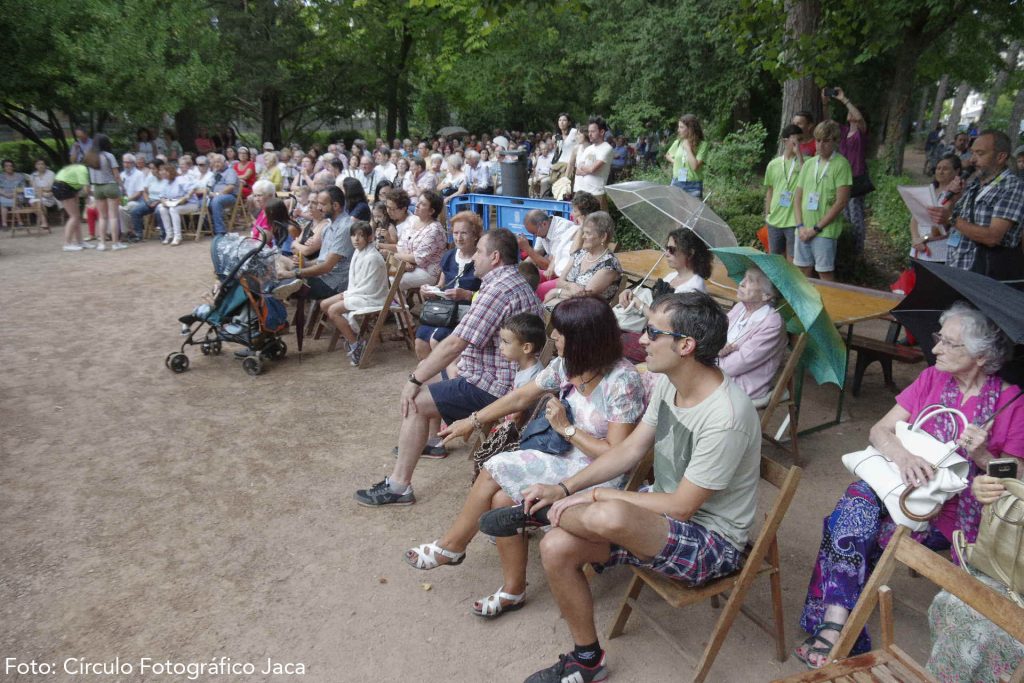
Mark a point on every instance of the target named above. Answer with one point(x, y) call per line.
point(106, 191)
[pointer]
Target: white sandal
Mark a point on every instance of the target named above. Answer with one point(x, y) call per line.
point(491, 607)
point(426, 556)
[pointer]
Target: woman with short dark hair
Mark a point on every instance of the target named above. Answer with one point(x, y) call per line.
point(607, 398)
point(355, 199)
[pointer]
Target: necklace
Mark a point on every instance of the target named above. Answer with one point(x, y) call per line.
point(585, 382)
point(593, 259)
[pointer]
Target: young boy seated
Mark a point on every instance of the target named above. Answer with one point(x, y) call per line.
point(522, 339)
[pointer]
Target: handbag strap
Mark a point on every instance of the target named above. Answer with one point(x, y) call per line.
point(934, 410)
point(1013, 497)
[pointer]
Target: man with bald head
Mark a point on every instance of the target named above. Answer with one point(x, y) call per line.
point(986, 224)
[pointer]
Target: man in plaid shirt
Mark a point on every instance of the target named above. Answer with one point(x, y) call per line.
point(987, 221)
point(484, 376)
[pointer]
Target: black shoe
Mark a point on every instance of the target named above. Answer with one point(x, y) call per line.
point(568, 669)
point(381, 494)
point(510, 521)
point(431, 452)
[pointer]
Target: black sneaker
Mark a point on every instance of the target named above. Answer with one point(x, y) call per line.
point(568, 670)
point(381, 494)
point(430, 452)
point(509, 521)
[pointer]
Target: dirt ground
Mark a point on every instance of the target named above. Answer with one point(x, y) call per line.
point(209, 515)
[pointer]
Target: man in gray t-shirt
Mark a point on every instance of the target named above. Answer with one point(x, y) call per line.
point(692, 524)
point(329, 275)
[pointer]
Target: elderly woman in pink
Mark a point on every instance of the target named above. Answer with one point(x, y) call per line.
point(756, 339)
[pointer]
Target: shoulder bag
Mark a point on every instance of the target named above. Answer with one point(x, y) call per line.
point(913, 507)
point(539, 435)
point(999, 549)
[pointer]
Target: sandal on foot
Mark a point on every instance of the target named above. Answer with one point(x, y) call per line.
point(813, 648)
point(491, 606)
point(425, 556)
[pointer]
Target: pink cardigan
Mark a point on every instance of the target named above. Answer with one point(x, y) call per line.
point(758, 355)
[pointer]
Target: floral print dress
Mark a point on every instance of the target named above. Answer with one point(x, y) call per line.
point(619, 397)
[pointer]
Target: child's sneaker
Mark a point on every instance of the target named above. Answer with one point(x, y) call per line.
point(356, 354)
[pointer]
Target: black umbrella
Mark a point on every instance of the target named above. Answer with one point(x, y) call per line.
point(939, 286)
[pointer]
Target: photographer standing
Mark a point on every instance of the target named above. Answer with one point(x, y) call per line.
point(853, 146)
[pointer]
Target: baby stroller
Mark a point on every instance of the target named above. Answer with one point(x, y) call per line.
point(241, 312)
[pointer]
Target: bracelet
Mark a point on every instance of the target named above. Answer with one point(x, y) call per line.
point(565, 488)
point(476, 421)
point(799, 225)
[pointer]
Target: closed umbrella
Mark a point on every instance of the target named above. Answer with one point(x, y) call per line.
point(825, 353)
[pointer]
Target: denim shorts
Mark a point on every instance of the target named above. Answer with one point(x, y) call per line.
point(780, 240)
point(692, 554)
point(457, 398)
point(820, 252)
point(426, 333)
point(692, 187)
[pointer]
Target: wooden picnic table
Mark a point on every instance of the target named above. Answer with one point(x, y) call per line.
point(845, 304)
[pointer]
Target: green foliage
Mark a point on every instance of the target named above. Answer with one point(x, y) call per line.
point(737, 157)
point(889, 215)
point(23, 153)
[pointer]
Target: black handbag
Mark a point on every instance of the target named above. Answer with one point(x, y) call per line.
point(539, 435)
point(862, 185)
point(443, 312)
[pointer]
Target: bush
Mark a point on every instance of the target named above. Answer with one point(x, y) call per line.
point(24, 154)
point(888, 214)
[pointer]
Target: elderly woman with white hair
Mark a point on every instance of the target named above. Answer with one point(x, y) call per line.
point(756, 341)
point(272, 171)
point(262, 192)
point(455, 183)
point(969, 352)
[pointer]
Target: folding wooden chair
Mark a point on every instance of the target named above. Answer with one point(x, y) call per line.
point(784, 392)
point(240, 216)
point(396, 306)
point(198, 221)
point(890, 662)
point(149, 229)
point(763, 558)
point(27, 210)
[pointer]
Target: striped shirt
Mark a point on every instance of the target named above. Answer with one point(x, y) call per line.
point(1003, 197)
point(503, 293)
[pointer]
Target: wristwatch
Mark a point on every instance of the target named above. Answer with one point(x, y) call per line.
point(412, 378)
point(570, 432)
point(817, 230)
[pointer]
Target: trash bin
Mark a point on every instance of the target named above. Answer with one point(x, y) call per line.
point(514, 174)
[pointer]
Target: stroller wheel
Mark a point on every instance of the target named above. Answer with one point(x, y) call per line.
point(252, 365)
point(177, 362)
point(206, 348)
point(167, 361)
point(215, 347)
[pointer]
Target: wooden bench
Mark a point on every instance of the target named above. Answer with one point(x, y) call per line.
point(885, 352)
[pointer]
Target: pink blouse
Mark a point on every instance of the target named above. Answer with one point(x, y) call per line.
point(427, 245)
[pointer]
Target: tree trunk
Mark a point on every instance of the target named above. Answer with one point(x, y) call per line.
point(403, 108)
point(802, 18)
point(1009, 65)
point(940, 98)
point(1015, 117)
point(922, 111)
point(898, 101)
point(395, 91)
point(21, 121)
point(953, 123)
point(270, 116)
point(185, 126)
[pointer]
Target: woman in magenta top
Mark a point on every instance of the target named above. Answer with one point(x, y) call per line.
point(969, 351)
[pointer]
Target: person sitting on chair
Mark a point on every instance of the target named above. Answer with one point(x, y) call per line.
point(756, 341)
point(969, 351)
point(594, 268)
point(707, 455)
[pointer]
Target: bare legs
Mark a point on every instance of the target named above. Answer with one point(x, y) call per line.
point(107, 209)
point(334, 309)
point(73, 226)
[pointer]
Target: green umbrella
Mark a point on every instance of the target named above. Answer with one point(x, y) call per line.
point(825, 354)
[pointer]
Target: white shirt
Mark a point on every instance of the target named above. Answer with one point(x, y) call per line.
point(558, 243)
point(694, 284)
point(388, 170)
point(369, 181)
point(594, 183)
point(478, 178)
point(543, 168)
point(746, 322)
point(134, 181)
point(403, 226)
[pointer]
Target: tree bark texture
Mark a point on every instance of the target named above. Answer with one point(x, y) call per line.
point(185, 126)
point(270, 116)
point(953, 123)
point(999, 84)
point(898, 101)
point(922, 110)
point(802, 18)
point(22, 120)
point(940, 98)
point(397, 88)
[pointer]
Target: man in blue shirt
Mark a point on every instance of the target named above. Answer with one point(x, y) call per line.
point(223, 191)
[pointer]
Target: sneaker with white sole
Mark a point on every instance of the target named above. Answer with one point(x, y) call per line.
point(102, 246)
point(356, 353)
point(381, 494)
point(176, 241)
point(287, 288)
point(166, 241)
point(87, 245)
point(116, 246)
point(72, 247)
point(568, 670)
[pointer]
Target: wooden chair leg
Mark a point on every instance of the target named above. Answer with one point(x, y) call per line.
point(313, 318)
point(781, 650)
point(794, 430)
point(619, 625)
point(374, 341)
point(334, 341)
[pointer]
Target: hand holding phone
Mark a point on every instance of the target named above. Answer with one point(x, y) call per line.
point(1002, 468)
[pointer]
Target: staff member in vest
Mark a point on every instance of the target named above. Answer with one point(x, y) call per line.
point(821, 195)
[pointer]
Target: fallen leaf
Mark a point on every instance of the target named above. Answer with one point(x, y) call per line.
point(426, 586)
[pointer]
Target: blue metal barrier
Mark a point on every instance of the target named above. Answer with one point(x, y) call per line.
point(510, 211)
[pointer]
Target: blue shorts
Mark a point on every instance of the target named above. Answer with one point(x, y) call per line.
point(820, 252)
point(426, 333)
point(457, 398)
point(691, 187)
point(692, 554)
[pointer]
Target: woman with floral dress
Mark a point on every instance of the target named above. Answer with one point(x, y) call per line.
point(606, 397)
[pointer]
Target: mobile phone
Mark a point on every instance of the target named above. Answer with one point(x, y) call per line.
point(830, 92)
point(1003, 468)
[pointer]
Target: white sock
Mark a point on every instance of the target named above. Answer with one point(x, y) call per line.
point(398, 488)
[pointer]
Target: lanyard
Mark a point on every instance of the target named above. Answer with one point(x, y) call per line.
point(981, 192)
point(792, 167)
point(817, 178)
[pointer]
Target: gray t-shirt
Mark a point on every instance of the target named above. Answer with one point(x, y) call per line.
point(337, 240)
point(715, 445)
point(104, 175)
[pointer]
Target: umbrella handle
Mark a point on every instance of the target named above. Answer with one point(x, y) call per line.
point(641, 283)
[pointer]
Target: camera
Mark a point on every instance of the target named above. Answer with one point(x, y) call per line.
point(831, 92)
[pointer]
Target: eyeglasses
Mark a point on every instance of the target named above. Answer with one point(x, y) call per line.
point(671, 249)
point(653, 333)
point(939, 339)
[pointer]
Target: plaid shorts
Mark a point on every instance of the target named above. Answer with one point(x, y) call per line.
point(692, 554)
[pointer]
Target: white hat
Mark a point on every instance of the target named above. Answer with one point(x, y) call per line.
point(268, 146)
point(501, 141)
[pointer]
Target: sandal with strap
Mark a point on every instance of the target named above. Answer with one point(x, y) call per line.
point(813, 648)
point(425, 556)
point(492, 608)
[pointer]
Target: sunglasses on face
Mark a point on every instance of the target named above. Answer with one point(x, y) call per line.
point(653, 333)
point(672, 249)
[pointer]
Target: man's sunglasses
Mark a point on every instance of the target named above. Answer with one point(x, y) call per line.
point(653, 333)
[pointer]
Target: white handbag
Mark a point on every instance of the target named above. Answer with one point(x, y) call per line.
point(632, 319)
point(914, 506)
